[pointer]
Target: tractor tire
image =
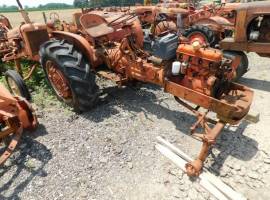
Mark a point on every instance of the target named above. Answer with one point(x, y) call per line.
point(68, 73)
point(243, 66)
point(16, 85)
point(203, 32)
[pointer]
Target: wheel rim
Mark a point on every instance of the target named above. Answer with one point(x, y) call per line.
point(196, 36)
point(13, 86)
point(58, 81)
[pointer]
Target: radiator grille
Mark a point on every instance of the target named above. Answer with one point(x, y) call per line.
point(36, 38)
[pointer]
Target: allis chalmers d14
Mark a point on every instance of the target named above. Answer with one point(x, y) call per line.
point(198, 75)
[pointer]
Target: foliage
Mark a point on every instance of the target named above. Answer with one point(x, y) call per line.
point(81, 3)
point(50, 6)
point(105, 3)
point(5, 8)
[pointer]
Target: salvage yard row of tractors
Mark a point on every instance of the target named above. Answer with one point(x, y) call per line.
point(195, 54)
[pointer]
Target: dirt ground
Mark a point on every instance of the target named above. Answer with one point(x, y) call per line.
point(108, 152)
point(36, 16)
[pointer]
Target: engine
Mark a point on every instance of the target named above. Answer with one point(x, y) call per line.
point(203, 69)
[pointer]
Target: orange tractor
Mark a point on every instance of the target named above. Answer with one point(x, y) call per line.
point(16, 114)
point(112, 45)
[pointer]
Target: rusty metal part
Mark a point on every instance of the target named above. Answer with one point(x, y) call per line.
point(16, 114)
point(58, 80)
point(11, 146)
point(208, 138)
point(30, 72)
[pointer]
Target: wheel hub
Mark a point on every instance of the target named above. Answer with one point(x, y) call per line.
point(58, 80)
point(14, 87)
point(198, 37)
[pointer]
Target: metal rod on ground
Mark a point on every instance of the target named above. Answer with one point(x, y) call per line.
point(181, 163)
point(227, 190)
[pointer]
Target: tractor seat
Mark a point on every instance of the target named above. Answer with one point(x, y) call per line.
point(95, 25)
point(99, 30)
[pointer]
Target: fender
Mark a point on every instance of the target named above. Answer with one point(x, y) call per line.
point(81, 44)
point(217, 23)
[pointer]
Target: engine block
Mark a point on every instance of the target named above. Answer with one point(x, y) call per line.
point(204, 69)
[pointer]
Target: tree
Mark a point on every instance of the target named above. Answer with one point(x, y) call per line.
point(81, 3)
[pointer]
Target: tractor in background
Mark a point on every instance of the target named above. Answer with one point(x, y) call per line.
point(252, 30)
point(208, 24)
point(251, 33)
point(20, 43)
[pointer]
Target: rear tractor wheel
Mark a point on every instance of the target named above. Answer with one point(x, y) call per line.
point(69, 74)
point(201, 33)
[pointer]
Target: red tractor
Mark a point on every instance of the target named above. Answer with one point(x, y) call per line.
point(112, 45)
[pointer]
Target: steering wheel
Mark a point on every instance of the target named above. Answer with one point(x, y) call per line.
point(55, 18)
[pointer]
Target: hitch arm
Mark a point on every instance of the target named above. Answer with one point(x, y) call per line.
point(208, 138)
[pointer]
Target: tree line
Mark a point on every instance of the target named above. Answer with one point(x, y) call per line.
point(76, 4)
point(106, 3)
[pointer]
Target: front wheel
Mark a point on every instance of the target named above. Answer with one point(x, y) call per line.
point(69, 74)
point(16, 84)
